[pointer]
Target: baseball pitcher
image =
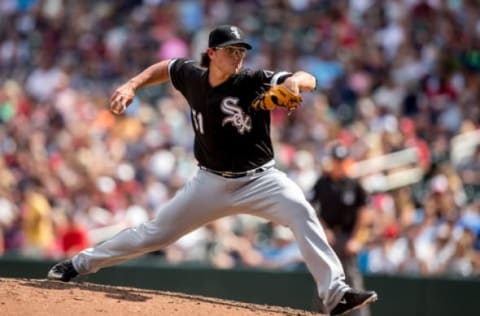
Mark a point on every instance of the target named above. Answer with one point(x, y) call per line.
point(230, 111)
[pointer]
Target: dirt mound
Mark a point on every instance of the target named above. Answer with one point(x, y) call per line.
point(44, 297)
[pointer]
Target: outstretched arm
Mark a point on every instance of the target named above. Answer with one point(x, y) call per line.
point(123, 95)
point(300, 81)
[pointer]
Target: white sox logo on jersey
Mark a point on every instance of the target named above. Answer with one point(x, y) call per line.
point(236, 117)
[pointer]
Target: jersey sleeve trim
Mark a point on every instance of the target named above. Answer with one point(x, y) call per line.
point(170, 65)
point(278, 75)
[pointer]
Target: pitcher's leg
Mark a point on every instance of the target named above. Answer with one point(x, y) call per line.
point(279, 199)
point(193, 206)
point(127, 244)
point(320, 258)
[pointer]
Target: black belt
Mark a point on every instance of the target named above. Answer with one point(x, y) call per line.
point(233, 175)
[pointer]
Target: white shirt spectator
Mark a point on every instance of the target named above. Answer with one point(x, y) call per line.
point(42, 82)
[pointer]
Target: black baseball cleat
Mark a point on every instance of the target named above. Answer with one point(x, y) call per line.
point(353, 300)
point(62, 271)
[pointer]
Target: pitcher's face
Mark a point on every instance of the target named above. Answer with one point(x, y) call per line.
point(228, 59)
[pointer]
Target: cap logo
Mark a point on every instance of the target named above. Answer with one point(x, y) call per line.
point(235, 32)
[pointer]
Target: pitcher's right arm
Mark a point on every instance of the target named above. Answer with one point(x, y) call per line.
point(123, 95)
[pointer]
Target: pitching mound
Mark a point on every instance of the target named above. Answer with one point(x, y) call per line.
point(44, 297)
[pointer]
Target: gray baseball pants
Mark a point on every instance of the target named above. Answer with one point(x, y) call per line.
point(206, 197)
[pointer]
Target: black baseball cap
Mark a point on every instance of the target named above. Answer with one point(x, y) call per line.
point(225, 35)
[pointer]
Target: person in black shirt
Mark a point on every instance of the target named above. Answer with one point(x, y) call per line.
point(341, 204)
point(236, 171)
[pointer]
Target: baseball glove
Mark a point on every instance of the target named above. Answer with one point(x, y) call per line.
point(277, 97)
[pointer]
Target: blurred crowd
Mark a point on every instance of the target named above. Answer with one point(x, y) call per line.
point(392, 75)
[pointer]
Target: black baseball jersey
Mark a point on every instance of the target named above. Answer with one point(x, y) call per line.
point(229, 134)
point(338, 202)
